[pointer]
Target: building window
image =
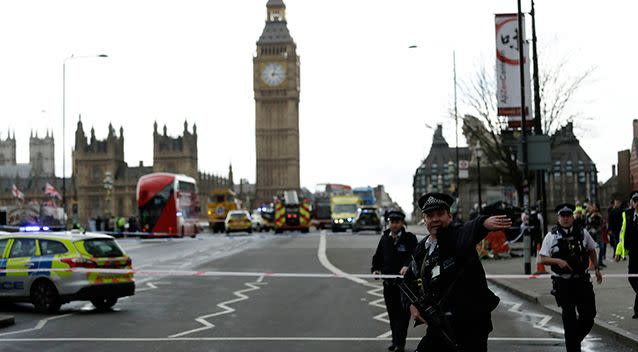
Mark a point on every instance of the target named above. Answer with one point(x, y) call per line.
point(557, 170)
point(581, 172)
point(569, 169)
point(96, 174)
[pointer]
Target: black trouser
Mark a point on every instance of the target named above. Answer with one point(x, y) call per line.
point(613, 241)
point(399, 317)
point(470, 335)
point(633, 281)
point(602, 251)
point(575, 295)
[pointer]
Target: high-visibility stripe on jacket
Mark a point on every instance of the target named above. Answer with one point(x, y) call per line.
point(304, 214)
point(620, 248)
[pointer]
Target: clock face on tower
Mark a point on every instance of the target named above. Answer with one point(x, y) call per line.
point(273, 74)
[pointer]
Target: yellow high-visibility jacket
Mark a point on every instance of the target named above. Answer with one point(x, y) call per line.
point(620, 248)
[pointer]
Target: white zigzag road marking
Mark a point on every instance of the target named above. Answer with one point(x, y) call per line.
point(323, 258)
point(38, 326)
point(253, 286)
point(380, 303)
point(542, 321)
point(587, 344)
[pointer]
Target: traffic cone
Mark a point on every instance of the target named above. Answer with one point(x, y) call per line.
point(540, 268)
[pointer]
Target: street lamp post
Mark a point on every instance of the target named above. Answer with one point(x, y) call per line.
point(64, 126)
point(479, 153)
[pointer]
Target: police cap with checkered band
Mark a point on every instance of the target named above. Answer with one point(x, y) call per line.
point(435, 201)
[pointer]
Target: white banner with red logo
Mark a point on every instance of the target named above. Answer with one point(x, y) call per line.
point(508, 76)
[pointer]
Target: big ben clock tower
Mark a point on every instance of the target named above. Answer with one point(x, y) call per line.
point(276, 86)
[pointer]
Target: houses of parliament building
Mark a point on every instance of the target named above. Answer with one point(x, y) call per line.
point(93, 161)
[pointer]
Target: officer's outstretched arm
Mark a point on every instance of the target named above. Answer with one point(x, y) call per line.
point(555, 261)
point(593, 257)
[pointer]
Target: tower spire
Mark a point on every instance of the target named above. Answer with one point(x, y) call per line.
point(276, 30)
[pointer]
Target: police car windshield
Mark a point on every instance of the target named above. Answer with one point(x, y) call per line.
point(345, 208)
point(101, 247)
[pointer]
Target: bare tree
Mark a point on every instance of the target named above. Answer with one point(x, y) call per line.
point(482, 125)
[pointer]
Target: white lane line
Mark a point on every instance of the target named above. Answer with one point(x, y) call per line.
point(323, 258)
point(379, 303)
point(322, 339)
point(252, 286)
point(38, 326)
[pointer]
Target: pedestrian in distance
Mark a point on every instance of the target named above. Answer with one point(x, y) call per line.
point(595, 229)
point(535, 223)
point(448, 278)
point(98, 224)
point(628, 244)
point(579, 217)
point(393, 254)
point(615, 223)
point(568, 249)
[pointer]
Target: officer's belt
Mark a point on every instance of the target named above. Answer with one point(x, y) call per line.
point(571, 276)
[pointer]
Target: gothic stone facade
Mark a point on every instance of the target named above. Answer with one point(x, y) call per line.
point(30, 178)
point(94, 160)
point(572, 177)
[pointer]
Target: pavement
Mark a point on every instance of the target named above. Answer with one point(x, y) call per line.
point(614, 297)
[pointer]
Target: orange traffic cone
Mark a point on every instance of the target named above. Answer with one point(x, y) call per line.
point(540, 268)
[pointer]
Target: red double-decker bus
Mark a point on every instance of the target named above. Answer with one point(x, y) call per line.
point(168, 204)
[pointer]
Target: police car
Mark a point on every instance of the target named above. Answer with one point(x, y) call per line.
point(48, 290)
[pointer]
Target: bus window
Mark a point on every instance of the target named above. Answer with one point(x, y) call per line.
point(186, 187)
point(151, 211)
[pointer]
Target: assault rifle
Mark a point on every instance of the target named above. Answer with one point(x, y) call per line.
point(431, 312)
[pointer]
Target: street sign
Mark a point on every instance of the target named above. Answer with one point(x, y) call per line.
point(539, 153)
point(464, 169)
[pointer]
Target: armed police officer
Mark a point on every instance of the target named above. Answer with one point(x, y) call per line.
point(448, 278)
point(394, 252)
point(569, 248)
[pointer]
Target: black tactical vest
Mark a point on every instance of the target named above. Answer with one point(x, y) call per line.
point(571, 250)
point(430, 281)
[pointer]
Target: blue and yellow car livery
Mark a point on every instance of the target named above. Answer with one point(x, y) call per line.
point(22, 255)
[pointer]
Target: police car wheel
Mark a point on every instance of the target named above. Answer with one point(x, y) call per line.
point(104, 303)
point(44, 297)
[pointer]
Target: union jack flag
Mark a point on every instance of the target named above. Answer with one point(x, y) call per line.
point(51, 191)
point(16, 192)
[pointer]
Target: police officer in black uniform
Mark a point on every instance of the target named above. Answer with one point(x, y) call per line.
point(569, 248)
point(394, 252)
point(628, 244)
point(447, 271)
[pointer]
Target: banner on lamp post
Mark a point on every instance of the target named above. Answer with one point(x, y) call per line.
point(508, 76)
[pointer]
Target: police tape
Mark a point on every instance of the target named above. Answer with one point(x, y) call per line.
point(4, 272)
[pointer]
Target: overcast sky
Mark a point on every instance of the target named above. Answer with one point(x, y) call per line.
point(365, 97)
